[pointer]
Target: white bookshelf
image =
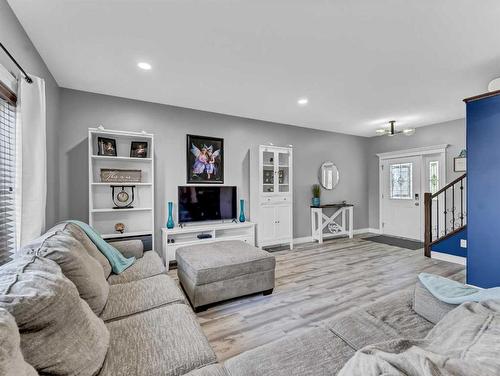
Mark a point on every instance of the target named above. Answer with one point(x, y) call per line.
point(139, 220)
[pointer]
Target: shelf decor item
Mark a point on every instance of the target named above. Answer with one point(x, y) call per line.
point(170, 220)
point(268, 177)
point(139, 149)
point(242, 211)
point(120, 227)
point(106, 146)
point(122, 199)
point(316, 192)
point(115, 175)
point(205, 160)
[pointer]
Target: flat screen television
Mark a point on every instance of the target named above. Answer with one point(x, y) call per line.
point(196, 203)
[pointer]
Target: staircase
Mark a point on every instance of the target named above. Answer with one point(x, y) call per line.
point(445, 213)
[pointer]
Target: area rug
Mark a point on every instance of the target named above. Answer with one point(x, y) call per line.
point(397, 242)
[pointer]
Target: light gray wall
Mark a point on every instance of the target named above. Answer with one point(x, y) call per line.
point(451, 132)
point(17, 42)
point(81, 110)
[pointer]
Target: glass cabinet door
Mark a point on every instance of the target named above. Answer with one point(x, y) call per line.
point(283, 168)
point(268, 163)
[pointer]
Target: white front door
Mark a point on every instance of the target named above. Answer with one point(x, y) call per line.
point(401, 209)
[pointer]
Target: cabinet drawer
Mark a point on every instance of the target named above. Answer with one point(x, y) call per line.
point(275, 200)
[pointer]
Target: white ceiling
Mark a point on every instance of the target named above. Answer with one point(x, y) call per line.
point(360, 62)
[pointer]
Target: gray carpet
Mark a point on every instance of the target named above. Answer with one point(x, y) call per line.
point(398, 242)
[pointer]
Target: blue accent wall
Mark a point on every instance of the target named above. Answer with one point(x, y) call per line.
point(451, 245)
point(483, 192)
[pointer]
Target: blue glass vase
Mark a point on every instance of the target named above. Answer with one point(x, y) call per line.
point(170, 221)
point(242, 210)
point(316, 201)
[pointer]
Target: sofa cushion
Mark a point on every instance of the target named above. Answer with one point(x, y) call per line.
point(316, 352)
point(129, 248)
point(89, 245)
point(211, 370)
point(463, 343)
point(227, 259)
point(126, 299)
point(396, 311)
point(161, 342)
point(60, 334)
point(428, 306)
point(12, 362)
point(359, 329)
point(59, 245)
point(147, 266)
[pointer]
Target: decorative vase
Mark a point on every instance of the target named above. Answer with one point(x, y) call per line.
point(316, 201)
point(242, 210)
point(170, 221)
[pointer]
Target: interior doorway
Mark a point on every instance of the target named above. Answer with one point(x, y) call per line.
point(404, 177)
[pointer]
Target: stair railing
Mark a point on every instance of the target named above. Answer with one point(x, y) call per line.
point(445, 212)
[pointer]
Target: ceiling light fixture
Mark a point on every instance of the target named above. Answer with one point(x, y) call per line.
point(494, 85)
point(391, 131)
point(143, 65)
point(303, 101)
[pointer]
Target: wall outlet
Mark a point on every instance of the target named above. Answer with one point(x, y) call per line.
point(463, 243)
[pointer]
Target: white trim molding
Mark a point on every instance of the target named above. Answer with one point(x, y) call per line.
point(8, 79)
point(450, 258)
point(309, 239)
point(434, 149)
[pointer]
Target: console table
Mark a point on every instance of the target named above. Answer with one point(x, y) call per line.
point(320, 221)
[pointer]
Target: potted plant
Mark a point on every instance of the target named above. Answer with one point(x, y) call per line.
point(316, 192)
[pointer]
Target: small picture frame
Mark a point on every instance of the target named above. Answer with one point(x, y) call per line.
point(459, 164)
point(139, 149)
point(106, 146)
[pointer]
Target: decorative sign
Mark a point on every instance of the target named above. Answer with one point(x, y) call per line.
point(459, 164)
point(120, 176)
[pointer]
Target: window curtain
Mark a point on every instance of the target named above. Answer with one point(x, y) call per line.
point(31, 175)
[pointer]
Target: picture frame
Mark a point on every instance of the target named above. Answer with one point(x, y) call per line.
point(460, 164)
point(106, 146)
point(139, 149)
point(204, 160)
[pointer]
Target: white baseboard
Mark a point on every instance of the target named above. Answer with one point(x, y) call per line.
point(309, 239)
point(449, 258)
point(366, 230)
point(304, 239)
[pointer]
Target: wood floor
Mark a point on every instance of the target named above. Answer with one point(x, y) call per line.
point(315, 283)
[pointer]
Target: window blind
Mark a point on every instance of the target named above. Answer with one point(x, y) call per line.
point(7, 180)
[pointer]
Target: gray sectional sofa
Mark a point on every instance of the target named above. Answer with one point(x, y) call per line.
point(75, 316)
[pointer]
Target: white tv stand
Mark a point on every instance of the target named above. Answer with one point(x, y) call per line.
point(188, 235)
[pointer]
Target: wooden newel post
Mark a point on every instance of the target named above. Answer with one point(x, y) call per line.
point(428, 224)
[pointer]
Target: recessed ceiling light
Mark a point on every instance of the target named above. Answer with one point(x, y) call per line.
point(144, 65)
point(303, 101)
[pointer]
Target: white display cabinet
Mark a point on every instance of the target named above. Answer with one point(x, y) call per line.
point(274, 210)
point(138, 220)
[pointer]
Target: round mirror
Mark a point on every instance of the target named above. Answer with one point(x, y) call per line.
point(328, 175)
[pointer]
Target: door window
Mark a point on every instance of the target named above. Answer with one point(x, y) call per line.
point(401, 184)
point(433, 176)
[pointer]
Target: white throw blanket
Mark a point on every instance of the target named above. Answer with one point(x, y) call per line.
point(466, 342)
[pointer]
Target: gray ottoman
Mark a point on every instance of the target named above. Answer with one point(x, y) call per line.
point(213, 272)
